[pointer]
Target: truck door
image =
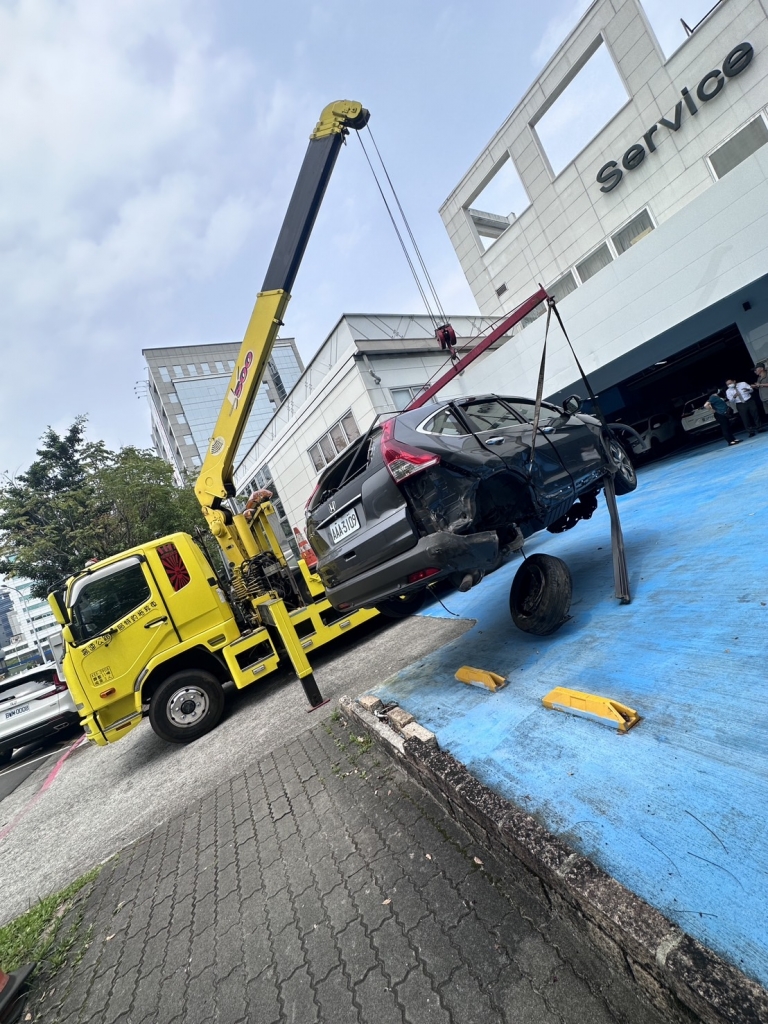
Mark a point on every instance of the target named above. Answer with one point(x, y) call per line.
point(119, 622)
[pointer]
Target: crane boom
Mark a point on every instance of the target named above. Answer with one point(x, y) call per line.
point(215, 482)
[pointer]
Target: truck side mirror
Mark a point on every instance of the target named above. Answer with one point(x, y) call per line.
point(58, 607)
point(571, 405)
point(67, 634)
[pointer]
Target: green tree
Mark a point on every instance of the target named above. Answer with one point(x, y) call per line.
point(79, 500)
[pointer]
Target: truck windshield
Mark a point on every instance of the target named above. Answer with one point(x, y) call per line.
point(105, 599)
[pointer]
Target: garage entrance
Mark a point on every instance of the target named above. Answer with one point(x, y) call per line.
point(663, 389)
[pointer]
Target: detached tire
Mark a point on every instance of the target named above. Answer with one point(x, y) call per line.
point(401, 605)
point(541, 595)
point(625, 478)
point(186, 706)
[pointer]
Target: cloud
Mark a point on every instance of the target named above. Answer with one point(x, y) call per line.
point(134, 165)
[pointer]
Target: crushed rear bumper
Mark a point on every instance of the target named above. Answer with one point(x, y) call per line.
point(444, 551)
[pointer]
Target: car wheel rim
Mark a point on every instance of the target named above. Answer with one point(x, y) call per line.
point(622, 460)
point(188, 707)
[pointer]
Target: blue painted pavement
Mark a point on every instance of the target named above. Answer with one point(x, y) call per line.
point(675, 809)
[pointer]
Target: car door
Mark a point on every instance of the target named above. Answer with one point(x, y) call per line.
point(119, 622)
point(505, 432)
point(575, 442)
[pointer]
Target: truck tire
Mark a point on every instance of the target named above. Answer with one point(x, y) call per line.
point(541, 595)
point(186, 705)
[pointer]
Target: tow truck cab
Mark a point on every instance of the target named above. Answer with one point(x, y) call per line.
point(132, 620)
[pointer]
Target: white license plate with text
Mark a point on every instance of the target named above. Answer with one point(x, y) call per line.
point(344, 526)
point(17, 711)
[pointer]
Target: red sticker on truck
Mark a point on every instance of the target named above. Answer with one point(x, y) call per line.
point(242, 376)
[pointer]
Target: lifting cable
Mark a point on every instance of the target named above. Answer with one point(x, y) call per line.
point(443, 320)
point(403, 246)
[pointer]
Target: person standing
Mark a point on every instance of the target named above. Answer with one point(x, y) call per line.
point(761, 385)
point(719, 407)
point(740, 395)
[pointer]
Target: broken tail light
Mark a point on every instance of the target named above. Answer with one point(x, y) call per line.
point(402, 460)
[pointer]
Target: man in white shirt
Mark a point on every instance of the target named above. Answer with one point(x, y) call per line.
point(740, 396)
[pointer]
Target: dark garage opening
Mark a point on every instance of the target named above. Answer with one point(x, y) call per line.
point(665, 386)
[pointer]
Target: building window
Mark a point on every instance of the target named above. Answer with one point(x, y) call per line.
point(562, 287)
point(600, 258)
point(744, 143)
point(638, 228)
point(188, 439)
point(196, 461)
point(231, 364)
point(164, 375)
point(402, 397)
point(220, 367)
point(336, 440)
point(180, 418)
point(178, 372)
point(173, 398)
point(205, 367)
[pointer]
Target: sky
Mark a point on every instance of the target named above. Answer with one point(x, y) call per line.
point(150, 147)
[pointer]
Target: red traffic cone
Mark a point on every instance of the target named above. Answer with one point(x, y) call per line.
point(13, 993)
point(306, 552)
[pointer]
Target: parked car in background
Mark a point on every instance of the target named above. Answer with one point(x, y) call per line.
point(33, 705)
point(696, 418)
point(655, 432)
point(449, 491)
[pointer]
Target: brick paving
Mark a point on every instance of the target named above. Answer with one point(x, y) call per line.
point(321, 884)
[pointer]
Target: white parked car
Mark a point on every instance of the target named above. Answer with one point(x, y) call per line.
point(655, 432)
point(696, 418)
point(33, 705)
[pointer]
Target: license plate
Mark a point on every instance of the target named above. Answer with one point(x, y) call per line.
point(344, 526)
point(17, 711)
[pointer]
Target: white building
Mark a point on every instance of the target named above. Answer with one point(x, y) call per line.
point(653, 236)
point(369, 364)
point(32, 623)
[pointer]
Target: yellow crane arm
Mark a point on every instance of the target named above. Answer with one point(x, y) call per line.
point(215, 483)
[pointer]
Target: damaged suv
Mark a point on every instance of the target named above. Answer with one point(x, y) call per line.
point(452, 489)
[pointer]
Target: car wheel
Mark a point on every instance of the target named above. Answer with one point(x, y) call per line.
point(186, 706)
point(5, 757)
point(541, 595)
point(625, 478)
point(401, 605)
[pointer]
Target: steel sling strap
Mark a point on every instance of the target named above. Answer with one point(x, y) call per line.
point(620, 571)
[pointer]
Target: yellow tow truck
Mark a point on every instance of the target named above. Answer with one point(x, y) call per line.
point(155, 631)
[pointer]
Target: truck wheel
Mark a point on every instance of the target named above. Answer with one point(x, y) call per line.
point(541, 594)
point(186, 706)
point(401, 605)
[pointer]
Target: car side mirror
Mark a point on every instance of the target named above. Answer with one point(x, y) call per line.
point(571, 405)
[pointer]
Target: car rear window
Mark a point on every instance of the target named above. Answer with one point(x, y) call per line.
point(352, 461)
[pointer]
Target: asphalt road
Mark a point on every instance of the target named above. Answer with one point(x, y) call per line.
point(30, 759)
point(54, 828)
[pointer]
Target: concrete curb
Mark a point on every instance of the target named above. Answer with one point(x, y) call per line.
point(677, 973)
